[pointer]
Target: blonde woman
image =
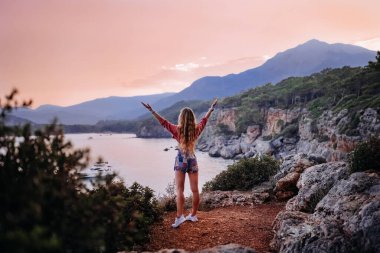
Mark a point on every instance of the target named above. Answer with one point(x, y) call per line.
point(186, 133)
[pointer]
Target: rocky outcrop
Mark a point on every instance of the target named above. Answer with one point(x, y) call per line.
point(335, 135)
point(277, 118)
point(258, 195)
point(332, 135)
point(290, 171)
point(314, 183)
point(227, 248)
point(154, 131)
point(347, 219)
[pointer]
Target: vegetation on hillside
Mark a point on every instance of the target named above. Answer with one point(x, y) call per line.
point(115, 126)
point(334, 89)
point(366, 155)
point(45, 206)
point(331, 89)
point(244, 174)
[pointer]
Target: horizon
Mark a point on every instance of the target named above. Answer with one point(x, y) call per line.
point(85, 52)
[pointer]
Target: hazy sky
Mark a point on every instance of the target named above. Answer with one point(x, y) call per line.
point(68, 51)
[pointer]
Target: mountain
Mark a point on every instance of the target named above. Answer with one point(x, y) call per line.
point(302, 60)
point(90, 112)
point(11, 120)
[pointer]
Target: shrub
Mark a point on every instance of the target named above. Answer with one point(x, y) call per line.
point(244, 174)
point(366, 156)
point(168, 200)
point(289, 131)
point(223, 129)
point(44, 205)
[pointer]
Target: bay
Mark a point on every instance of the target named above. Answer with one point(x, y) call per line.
point(144, 160)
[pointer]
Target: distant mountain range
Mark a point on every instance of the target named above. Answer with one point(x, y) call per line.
point(90, 112)
point(302, 60)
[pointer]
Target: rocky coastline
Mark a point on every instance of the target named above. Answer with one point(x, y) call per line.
point(331, 135)
point(328, 208)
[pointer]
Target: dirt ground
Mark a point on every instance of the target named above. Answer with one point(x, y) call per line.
point(244, 225)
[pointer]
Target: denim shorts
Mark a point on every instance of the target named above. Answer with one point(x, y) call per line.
point(185, 164)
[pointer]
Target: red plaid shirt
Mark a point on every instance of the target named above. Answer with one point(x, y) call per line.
point(173, 129)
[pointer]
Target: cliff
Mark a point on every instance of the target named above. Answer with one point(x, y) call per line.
point(290, 131)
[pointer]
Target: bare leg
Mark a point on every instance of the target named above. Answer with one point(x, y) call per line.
point(180, 185)
point(194, 189)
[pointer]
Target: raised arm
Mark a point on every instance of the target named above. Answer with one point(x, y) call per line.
point(164, 122)
point(201, 125)
point(211, 108)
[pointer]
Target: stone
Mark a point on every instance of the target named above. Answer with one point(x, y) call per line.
point(317, 159)
point(293, 163)
point(287, 183)
point(214, 151)
point(258, 195)
point(347, 219)
point(253, 132)
point(277, 143)
point(230, 151)
point(284, 195)
point(227, 248)
point(314, 184)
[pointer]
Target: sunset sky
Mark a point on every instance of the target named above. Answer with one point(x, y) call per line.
point(69, 51)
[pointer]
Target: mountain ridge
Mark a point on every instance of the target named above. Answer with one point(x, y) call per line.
point(302, 60)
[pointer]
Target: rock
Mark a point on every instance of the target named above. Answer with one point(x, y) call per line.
point(262, 147)
point(314, 184)
point(317, 159)
point(230, 151)
point(226, 117)
point(290, 140)
point(258, 195)
point(227, 248)
point(277, 143)
point(347, 219)
point(287, 183)
point(293, 163)
point(214, 151)
point(250, 153)
point(276, 118)
point(253, 132)
point(284, 195)
point(239, 156)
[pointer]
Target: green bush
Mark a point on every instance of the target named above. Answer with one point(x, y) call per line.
point(244, 174)
point(366, 156)
point(223, 129)
point(167, 201)
point(289, 131)
point(45, 206)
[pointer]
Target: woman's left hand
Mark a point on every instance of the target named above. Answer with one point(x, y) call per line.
point(214, 103)
point(147, 106)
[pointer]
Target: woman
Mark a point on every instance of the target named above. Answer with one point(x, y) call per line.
point(186, 133)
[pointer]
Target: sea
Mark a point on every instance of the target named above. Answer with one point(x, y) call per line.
point(149, 162)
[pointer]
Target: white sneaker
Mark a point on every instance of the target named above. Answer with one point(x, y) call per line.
point(178, 221)
point(192, 218)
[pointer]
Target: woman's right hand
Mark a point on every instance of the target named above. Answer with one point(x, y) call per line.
point(147, 106)
point(214, 103)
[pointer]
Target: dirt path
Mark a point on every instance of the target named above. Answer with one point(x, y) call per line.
point(248, 226)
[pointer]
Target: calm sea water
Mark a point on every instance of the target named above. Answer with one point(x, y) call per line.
point(144, 160)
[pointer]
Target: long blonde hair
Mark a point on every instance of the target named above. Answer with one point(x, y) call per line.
point(187, 130)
